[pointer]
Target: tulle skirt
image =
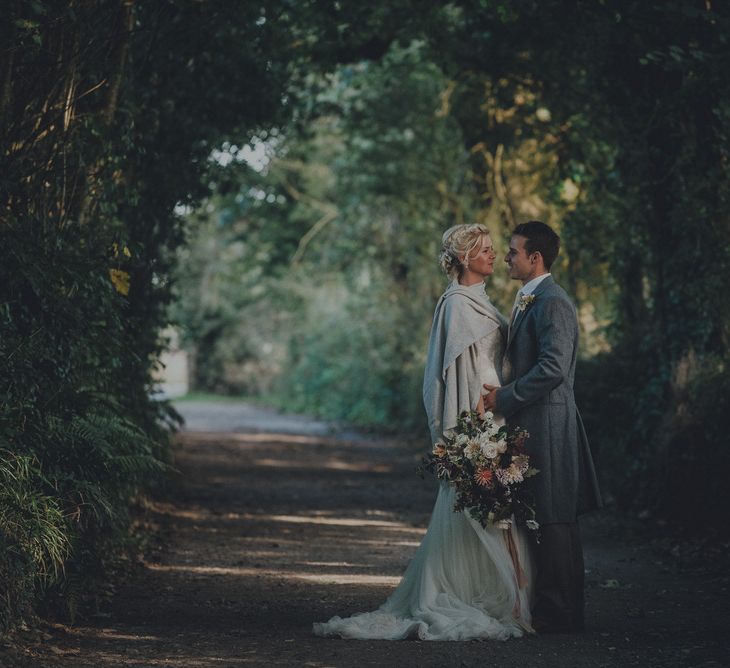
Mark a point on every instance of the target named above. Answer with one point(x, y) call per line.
point(464, 582)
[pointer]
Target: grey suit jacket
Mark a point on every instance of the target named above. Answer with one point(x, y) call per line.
point(542, 349)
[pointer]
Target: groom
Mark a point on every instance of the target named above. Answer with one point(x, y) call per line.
point(542, 346)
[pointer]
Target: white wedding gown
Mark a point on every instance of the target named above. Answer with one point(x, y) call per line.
point(463, 581)
point(460, 585)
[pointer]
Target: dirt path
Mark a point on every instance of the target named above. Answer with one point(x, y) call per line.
point(268, 532)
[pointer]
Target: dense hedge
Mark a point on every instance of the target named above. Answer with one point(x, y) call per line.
point(105, 129)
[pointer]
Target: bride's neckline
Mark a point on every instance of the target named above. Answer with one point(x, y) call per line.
point(474, 286)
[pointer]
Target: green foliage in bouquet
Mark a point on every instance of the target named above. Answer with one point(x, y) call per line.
point(487, 465)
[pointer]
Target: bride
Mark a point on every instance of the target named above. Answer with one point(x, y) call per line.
point(464, 582)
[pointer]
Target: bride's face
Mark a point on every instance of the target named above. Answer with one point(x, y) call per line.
point(481, 260)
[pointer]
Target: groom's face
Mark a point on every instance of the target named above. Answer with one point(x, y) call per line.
point(520, 266)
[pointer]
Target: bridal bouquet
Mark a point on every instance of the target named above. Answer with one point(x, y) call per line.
point(487, 465)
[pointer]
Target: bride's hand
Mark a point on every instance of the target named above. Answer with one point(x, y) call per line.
point(480, 406)
point(489, 400)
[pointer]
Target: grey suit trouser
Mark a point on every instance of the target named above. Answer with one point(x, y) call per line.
point(559, 598)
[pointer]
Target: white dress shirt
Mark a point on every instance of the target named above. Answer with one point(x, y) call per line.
point(527, 289)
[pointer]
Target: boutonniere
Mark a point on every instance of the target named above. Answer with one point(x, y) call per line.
point(525, 301)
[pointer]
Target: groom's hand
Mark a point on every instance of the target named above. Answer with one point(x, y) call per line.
point(490, 398)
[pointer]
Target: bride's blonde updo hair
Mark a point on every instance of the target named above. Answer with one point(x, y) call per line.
point(460, 241)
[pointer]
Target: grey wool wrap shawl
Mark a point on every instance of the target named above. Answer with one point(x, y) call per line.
point(452, 381)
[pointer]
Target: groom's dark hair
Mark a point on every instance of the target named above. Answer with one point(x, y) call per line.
point(540, 237)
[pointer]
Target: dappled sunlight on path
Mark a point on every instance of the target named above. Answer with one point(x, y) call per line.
point(266, 533)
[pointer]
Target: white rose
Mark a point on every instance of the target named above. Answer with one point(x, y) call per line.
point(490, 450)
point(492, 430)
point(502, 447)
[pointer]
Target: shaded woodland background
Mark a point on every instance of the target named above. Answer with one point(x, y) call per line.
point(274, 177)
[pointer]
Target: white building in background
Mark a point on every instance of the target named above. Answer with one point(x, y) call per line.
point(172, 377)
